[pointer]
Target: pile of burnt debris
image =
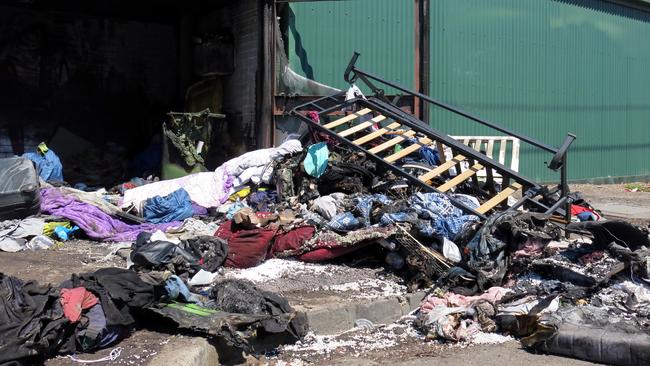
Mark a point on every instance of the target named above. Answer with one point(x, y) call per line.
point(495, 251)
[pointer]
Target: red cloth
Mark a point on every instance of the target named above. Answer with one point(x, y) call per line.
point(577, 209)
point(75, 300)
point(323, 254)
point(246, 248)
point(292, 240)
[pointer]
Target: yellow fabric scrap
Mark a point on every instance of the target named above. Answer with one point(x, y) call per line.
point(48, 228)
point(242, 193)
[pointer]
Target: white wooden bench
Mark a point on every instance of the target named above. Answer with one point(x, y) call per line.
point(489, 145)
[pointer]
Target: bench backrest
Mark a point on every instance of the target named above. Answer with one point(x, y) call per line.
point(504, 149)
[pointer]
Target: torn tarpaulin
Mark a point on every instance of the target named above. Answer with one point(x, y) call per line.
point(15, 234)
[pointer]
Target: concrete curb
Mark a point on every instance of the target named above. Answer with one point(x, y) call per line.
point(336, 319)
point(330, 320)
point(186, 351)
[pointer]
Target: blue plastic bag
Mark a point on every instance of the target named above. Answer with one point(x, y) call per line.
point(48, 165)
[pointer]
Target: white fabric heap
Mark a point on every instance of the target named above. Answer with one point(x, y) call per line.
point(211, 189)
point(255, 166)
point(14, 234)
point(201, 187)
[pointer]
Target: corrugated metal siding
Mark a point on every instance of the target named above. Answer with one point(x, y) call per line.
point(545, 68)
point(324, 34)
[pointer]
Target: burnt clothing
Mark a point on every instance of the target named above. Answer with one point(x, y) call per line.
point(32, 324)
point(120, 291)
point(203, 252)
point(243, 297)
point(212, 250)
point(502, 233)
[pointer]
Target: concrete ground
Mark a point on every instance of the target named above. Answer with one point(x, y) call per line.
point(333, 296)
point(615, 202)
point(506, 354)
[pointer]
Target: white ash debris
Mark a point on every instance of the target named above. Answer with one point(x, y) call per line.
point(358, 340)
point(278, 268)
point(369, 288)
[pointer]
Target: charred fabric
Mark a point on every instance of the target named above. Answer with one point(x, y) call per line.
point(316, 198)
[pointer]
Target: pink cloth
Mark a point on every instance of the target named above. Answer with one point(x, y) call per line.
point(75, 300)
point(451, 299)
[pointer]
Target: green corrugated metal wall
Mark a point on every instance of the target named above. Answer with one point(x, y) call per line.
point(324, 34)
point(540, 67)
point(545, 68)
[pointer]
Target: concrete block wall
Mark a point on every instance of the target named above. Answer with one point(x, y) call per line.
point(240, 89)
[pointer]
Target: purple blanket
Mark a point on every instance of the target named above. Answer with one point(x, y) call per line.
point(96, 223)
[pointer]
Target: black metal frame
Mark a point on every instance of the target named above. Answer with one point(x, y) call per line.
point(381, 104)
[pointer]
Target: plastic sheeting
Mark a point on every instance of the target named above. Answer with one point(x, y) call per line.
point(14, 234)
point(18, 189)
point(49, 166)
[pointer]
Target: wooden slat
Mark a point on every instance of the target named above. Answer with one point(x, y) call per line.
point(477, 145)
point(361, 126)
point(490, 148)
point(514, 164)
point(347, 118)
point(441, 169)
point(502, 151)
point(441, 152)
point(374, 135)
point(466, 142)
point(460, 178)
point(558, 219)
point(407, 150)
point(392, 142)
point(504, 194)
